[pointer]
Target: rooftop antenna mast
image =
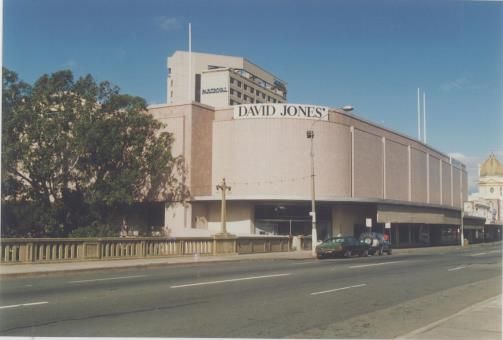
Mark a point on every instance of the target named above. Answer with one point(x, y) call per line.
point(418, 115)
point(424, 117)
point(190, 63)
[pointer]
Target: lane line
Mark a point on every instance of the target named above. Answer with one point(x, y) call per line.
point(230, 280)
point(478, 254)
point(456, 268)
point(495, 251)
point(319, 261)
point(337, 289)
point(109, 278)
point(24, 304)
point(296, 263)
point(375, 264)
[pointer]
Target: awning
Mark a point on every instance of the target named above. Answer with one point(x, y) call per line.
point(409, 214)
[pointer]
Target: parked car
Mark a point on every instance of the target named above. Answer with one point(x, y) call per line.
point(377, 242)
point(344, 245)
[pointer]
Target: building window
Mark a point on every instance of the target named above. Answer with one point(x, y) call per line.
point(251, 89)
point(232, 80)
point(245, 87)
point(239, 83)
point(491, 190)
point(238, 94)
point(232, 91)
point(263, 95)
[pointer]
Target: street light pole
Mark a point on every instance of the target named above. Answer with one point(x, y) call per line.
point(314, 234)
point(310, 135)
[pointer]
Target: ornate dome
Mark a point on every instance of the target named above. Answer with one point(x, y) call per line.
point(491, 167)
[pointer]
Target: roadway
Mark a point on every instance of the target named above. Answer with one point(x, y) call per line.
point(373, 297)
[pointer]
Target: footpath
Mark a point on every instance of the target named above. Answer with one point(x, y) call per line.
point(482, 321)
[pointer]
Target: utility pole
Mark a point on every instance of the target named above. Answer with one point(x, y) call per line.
point(223, 187)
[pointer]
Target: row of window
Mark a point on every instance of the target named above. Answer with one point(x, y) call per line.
point(233, 102)
point(235, 81)
point(251, 99)
point(251, 89)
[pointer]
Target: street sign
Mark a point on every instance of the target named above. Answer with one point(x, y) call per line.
point(368, 222)
point(387, 225)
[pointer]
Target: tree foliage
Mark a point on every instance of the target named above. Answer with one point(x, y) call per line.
point(74, 150)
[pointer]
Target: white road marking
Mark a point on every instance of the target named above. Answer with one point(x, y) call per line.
point(312, 262)
point(456, 268)
point(337, 289)
point(478, 254)
point(24, 304)
point(495, 251)
point(108, 279)
point(230, 280)
point(375, 264)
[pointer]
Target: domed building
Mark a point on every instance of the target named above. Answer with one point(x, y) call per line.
point(488, 201)
point(491, 179)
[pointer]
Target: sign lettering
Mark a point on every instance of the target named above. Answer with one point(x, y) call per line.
point(214, 90)
point(280, 111)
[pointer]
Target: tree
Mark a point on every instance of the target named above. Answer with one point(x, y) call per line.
point(78, 150)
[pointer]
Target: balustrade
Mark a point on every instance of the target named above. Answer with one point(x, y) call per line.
point(68, 250)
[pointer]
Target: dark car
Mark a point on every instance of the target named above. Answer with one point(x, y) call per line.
point(377, 242)
point(344, 245)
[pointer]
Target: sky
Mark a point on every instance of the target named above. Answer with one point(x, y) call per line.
point(371, 54)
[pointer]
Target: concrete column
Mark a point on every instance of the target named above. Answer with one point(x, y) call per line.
point(352, 130)
point(441, 184)
point(427, 177)
point(384, 166)
point(410, 172)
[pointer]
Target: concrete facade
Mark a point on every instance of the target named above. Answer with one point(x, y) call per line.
point(362, 170)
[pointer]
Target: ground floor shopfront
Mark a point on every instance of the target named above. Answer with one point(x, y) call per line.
point(408, 225)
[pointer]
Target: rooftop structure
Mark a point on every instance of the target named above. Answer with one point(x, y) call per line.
point(219, 81)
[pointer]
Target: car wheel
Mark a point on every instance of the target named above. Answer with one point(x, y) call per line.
point(319, 257)
point(380, 251)
point(364, 253)
point(347, 253)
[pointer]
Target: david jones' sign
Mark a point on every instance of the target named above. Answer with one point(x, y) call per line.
point(280, 111)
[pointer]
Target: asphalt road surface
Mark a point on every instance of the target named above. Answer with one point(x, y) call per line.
point(373, 297)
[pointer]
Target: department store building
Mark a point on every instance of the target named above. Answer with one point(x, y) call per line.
point(363, 171)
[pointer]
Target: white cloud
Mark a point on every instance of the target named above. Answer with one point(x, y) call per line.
point(455, 84)
point(168, 24)
point(462, 83)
